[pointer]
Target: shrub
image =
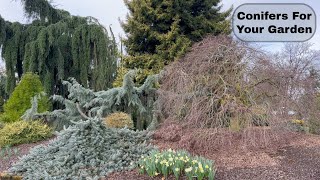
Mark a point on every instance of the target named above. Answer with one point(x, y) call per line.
point(128, 98)
point(20, 99)
point(21, 132)
point(118, 120)
point(176, 163)
point(1, 125)
point(4, 176)
point(206, 87)
point(86, 150)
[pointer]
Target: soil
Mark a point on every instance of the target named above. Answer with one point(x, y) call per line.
point(7, 162)
point(297, 160)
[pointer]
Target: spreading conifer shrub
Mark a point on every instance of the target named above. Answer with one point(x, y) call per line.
point(20, 99)
point(86, 149)
point(118, 120)
point(138, 101)
point(21, 132)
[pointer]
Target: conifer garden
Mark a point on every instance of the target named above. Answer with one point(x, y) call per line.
point(183, 98)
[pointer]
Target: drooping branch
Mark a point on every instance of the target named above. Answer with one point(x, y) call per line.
point(80, 111)
point(57, 45)
point(128, 98)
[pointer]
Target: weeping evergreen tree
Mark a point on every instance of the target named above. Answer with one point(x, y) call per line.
point(57, 45)
point(3, 93)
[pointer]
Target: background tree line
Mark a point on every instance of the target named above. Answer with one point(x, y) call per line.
point(57, 45)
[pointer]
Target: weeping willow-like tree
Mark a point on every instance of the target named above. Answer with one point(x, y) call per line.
point(57, 45)
point(3, 93)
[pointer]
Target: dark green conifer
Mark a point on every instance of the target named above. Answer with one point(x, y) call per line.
point(159, 31)
point(57, 45)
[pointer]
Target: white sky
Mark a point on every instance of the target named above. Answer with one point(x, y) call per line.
point(108, 12)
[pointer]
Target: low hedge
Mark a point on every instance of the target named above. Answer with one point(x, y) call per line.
point(22, 132)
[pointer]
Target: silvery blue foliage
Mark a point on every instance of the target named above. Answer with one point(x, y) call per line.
point(127, 98)
point(84, 150)
point(29, 114)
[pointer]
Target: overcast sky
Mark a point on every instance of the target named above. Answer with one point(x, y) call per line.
point(108, 12)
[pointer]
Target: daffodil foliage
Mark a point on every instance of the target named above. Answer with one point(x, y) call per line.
point(57, 45)
point(177, 163)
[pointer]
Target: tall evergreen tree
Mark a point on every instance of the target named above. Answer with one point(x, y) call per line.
point(3, 93)
point(158, 31)
point(57, 45)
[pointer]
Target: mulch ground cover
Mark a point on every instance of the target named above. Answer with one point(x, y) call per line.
point(7, 162)
point(297, 160)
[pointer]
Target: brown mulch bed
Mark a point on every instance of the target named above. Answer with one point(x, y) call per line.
point(297, 159)
point(23, 149)
point(135, 175)
point(291, 163)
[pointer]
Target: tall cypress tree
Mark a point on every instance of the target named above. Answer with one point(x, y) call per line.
point(158, 31)
point(57, 45)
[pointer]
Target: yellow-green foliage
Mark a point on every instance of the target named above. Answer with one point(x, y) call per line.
point(20, 99)
point(158, 32)
point(141, 76)
point(4, 176)
point(298, 122)
point(1, 125)
point(118, 120)
point(21, 132)
point(120, 74)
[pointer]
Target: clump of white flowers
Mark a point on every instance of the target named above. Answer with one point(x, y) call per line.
point(176, 163)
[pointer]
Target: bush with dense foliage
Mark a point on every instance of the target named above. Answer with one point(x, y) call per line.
point(128, 98)
point(207, 87)
point(118, 120)
point(21, 132)
point(5, 176)
point(87, 149)
point(158, 32)
point(176, 163)
point(20, 99)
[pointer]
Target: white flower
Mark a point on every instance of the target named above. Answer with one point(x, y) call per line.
point(188, 169)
